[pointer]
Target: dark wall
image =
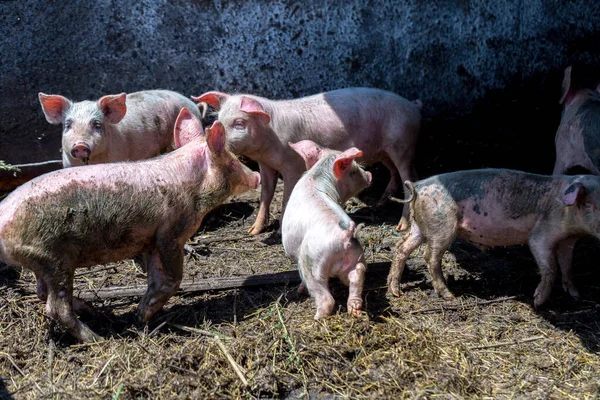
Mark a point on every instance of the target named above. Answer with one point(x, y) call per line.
point(489, 73)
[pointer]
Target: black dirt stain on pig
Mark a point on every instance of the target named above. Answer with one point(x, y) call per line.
point(589, 114)
point(476, 208)
point(158, 124)
point(521, 194)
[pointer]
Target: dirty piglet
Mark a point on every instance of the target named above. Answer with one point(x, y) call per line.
point(79, 217)
point(317, 233)
point(499, 207)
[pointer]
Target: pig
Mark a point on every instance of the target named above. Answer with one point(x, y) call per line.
point(578, 135)
point(499, 207)
point(97, 214)
point(316, 232)
point(119, 127)
point(577, 139)
point(384, 125)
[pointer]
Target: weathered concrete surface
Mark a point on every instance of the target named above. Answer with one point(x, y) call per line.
point(478, 66)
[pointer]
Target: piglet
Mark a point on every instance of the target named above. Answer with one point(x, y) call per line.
point(120, 127)
point(84, 216)
point(384, 125)
point(317, 233)
point(499, 207)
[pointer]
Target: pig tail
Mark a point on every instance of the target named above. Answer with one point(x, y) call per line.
point(411, 193)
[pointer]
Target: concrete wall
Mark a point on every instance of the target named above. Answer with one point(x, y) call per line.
point(478, 66)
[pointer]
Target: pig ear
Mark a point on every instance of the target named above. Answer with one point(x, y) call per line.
point(215, 137)
point(113, 107)
point(344, 160)
point(214, 99)
point(187, 128)
point(309, 151)
point(574, 192)
point(252, 106)
point(54, 106)
point(566, 86)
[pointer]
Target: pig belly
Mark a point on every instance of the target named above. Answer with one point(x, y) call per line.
point(495, 230)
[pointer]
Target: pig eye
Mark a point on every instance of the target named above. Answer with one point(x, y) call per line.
point(68, 124)
point(239, 124)
point(97, 125)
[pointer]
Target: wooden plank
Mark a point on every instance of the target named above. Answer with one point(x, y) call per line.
point(11, 179)
point(223, 283)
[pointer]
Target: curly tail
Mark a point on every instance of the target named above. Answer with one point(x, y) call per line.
point(411, 193)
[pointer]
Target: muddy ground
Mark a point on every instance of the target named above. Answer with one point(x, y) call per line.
point(262, 341)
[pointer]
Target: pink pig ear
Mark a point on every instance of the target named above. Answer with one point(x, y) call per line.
point(187, 128)
point(573, 193)
point(215, 137)
point(113, 107)
point(344, 160)
point(54, 106)
point(214, 99)
point(567, 94)
point(309, 151)
point(253, 107)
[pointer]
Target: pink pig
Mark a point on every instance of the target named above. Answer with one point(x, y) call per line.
point(317, 233)
point(117, 127)
point(499, 207)
point(84, 216)
point(382, 124)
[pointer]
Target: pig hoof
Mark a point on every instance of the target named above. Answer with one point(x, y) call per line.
point(85, 334)
point(354, 308)
point(254, 230)
point(402, 225)
point(394, 291)
point(447, 296)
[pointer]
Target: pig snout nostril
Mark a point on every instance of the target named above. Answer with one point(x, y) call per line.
point(81, 151)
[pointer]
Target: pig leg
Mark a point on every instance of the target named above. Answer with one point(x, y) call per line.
point(546, 260)
point(405, 246)
point(289, 182)
point(59, 306)
point(268, 181)
point(393, 184)
point(355, 282)
point(433, 256)
point(165, 271)
point(319, 290)
point(317, 283)
point(79, 306)
point(564, 253)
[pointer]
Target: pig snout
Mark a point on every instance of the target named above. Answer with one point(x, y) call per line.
point(369, 177)
point(81, 151)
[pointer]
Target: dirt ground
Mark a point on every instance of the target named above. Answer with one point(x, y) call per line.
point(262, 341)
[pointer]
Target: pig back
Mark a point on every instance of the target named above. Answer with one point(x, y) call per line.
point(148, 125)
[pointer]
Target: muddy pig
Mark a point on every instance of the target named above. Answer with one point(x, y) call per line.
point(499, 207)
point(84, 216)
point(120, 127)
point(317, 233)
point(382, 124)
